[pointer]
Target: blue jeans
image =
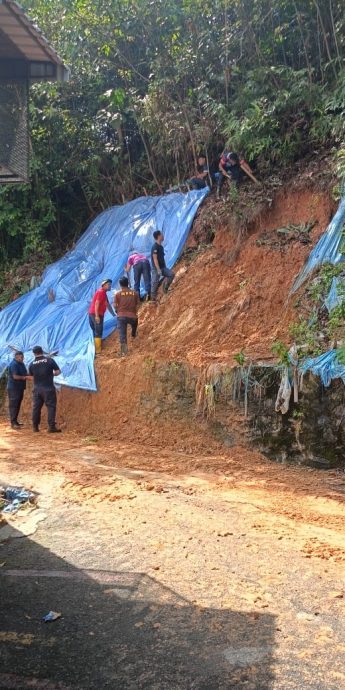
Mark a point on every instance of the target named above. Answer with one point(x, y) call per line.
point(97, 328)
point(167, 277)
point(198, 183)
point(122, 323)
point(142, 268)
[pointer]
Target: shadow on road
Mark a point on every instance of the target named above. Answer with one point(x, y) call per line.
point(119, 630)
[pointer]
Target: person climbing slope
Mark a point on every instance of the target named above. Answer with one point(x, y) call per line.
point(141, 267)
point(17, 376)
point(98, 307)
point(233, 169)
point(42, 370)
point(160, 271)
point(126, 304)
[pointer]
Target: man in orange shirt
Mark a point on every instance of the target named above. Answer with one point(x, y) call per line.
point(98, 307)
point(126, 304)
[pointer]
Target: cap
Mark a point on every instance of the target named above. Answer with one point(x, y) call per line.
point(107, 280)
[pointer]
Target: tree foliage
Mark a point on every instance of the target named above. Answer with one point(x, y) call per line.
point(155, 81)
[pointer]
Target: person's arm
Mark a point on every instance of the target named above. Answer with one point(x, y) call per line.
point(18, 377)
point(222, 170)
point(109, 307)
point(127, 268)
point(97, 303)
point(116, 302)
point(155, 261)
point(56, 369)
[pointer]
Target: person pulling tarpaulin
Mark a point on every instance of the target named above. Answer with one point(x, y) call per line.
point(98, 307)
point(231, 167)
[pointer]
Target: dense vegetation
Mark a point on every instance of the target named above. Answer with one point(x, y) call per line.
point(152, 83)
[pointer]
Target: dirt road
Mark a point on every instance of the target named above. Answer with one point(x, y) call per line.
point(171, 571)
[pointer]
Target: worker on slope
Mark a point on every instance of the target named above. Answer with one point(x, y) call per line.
point(126, 304)
point(233, 168)
point(141, 268)
point(160, 271)
point(98, 307)
point(42, 370)
point(16, 384)
point(200, 181)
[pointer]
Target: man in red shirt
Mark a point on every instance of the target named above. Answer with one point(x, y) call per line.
point(126, 304)
point(98, 307)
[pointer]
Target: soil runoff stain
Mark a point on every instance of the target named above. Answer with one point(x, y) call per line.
point(170, 579)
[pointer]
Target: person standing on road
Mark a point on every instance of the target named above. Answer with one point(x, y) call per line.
point(42, 370)
point(160, 271)
point(98, 307)
point(17, 376)
point(126, 304)
point(141, 267)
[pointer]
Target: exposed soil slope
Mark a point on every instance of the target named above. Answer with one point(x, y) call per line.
point(234, 295)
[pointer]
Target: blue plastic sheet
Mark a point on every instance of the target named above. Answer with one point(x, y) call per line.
point(336, 293)
point(100, 253)
point(327, 250)
point(326, 366)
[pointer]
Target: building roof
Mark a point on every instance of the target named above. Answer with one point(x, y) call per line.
point(21, 39)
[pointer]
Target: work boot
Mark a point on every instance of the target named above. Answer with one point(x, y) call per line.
point(54, 430)
point(20, 423)
point(98, 346)
point(165, 288)
point(15, 425)
point(35, 428)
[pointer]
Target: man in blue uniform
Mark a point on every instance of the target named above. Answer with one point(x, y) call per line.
point(42, 370)
point(17, 375)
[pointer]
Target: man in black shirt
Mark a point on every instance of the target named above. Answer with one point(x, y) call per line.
point(42, 370)
point(160, 272)
point(17, 375)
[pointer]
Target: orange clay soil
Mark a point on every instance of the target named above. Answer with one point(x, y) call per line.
point(233, 297)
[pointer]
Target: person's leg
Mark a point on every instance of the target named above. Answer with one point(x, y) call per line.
point(50, 402)
point(97, 329)
point(37, 404)
point(122, 322)
point(137, 271)
point(13, 408)
point(219, 178)
point(169, 276)
point(20, 396)
point(155, 284)
point(147, 277)
point(134, 326)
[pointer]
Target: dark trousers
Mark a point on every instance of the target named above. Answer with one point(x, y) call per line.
point(198, 183)
point(97, 328)
point(142, 268)
point(14, 402)
point(47, 397)
point(167, 277)
point(122, 323)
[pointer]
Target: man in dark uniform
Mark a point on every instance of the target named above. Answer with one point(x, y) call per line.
point(126, 304)
point(17, 375)
point(42, 370)
point(160, 271)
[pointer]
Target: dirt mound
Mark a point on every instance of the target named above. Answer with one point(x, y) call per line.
point(233, 296)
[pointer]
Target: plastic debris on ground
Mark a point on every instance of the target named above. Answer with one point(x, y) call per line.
point(328, 250)
point(327, 366)
point(336, 293)
point(13, 498)
point(62, 323)
point(51, 616)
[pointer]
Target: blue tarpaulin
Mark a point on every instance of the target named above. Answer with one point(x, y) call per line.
point(326, 366)
point(336, 293)
point(101, 252)
point(329, 248)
